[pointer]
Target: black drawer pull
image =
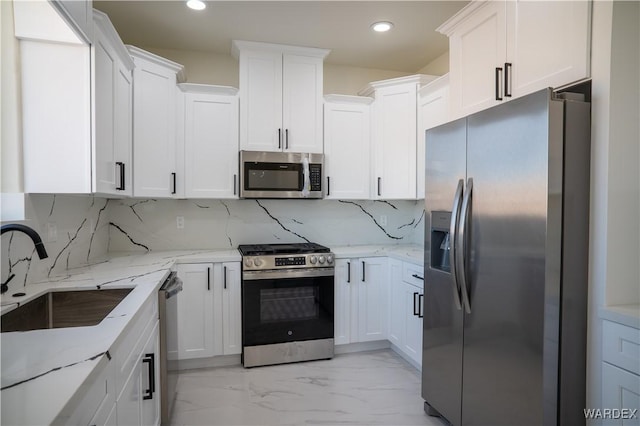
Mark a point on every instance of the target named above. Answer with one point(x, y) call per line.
point(418, 277)
point(150, 360)
point(420, 303)
point(416, 311)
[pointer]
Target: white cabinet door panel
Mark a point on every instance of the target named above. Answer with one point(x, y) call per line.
point(372, 299)
point(347, 151)
point(548, 44)
point(105, 68)
point(211, 146)
point(397, 303)
point(261, 106)
point(302, 103)
point(342, 301)
point(231, 308)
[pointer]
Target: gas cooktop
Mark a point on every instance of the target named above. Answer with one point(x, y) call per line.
point(287, 248)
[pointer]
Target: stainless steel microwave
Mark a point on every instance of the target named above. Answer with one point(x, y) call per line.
point(280, 175)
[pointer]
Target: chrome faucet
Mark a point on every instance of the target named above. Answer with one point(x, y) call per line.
point(37, 241)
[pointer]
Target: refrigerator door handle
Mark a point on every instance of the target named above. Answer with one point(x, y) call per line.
point(460, 244)
point(455, 212)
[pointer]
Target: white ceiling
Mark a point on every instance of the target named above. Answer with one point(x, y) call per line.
point(342, 26)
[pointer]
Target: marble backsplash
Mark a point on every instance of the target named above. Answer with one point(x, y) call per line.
point(140, 225)
point(88, 227)
point(74, 230)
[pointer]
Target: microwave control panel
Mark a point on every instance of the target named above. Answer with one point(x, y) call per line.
point(315, 177)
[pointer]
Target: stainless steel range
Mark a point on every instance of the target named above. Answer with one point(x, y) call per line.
point(287, 303)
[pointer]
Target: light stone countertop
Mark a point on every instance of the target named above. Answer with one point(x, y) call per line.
point(43, 370)
point(55, 365)
point(628, 315)
point(411, 253)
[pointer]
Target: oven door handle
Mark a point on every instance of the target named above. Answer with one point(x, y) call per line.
point(290, 273)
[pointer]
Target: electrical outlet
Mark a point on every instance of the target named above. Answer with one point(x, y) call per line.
point(180, 222)
point(52, 232)
point(383, 220)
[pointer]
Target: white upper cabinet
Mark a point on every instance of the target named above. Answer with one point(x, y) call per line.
point(433, 110)
point(155, 154)
point(113, 109)
point(502, 50)
point(347, 137)
point(395, 131)
point(552, 54)
point(281, 97)
point(208, 127)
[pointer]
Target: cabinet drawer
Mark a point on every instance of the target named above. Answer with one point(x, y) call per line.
point(126, 351)
point(621, 346)
point(413, 274)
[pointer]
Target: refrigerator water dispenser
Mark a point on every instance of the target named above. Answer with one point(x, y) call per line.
point(440, 241)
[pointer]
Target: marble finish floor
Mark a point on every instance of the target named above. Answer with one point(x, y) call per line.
point(366, 388)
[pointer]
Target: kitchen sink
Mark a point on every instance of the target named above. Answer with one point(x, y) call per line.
point(62, 309)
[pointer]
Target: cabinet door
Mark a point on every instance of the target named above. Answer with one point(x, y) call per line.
point(105, 69)
point(154, 130)
point(211, 146)
point(477, 47)
point(395, 142)
point(261, 106)
point(548, 44)
point(433, 110)
point(150, 379)
point(196, 311)
point(123, 130)
point(346, 150)
point(129, 404)
point(372, 298)
point(231, 309)
point(620, 390)
point(343, 312)
point(302, 103)
point(397, 313)
point(413, 313)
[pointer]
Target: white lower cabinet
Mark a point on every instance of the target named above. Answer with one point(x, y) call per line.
point(621, 373)
point(360, 302)
point(406, 298)
point(209, 310)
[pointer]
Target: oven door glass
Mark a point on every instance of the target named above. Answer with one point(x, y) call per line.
point(273, 176)
point(285, 310)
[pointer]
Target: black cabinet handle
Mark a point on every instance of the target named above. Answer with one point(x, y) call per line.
point(286, 138)
point(279, 138)
point(120, 166)
point(225, 277)
point(235, 181)
point(379, 180)
point(507, 79)
point(328, 185)
point(420, 313)
point(348, 272)
point(173, 179)
point(150, 360)
point(417, 276)
point(416, 311)
point(498, 91)
point(363, 271)
point(208, 278)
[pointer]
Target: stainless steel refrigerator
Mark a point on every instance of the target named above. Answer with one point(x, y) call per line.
point(506, 258)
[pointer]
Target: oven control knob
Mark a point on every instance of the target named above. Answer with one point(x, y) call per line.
point(321, 259)
point(329, 259)
point(257, 261)
point(313, 260)
point(248, 263)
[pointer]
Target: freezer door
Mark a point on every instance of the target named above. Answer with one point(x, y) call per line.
point(514, 157)
point(442, 323)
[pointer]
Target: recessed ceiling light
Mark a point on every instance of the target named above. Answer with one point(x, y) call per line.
point(382, 26)
point(196, 4)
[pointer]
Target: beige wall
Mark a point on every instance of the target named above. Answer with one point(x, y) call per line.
point(439, 66)
point(10, 121)
point(212, 68)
